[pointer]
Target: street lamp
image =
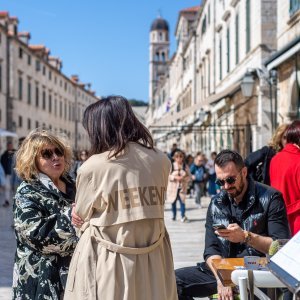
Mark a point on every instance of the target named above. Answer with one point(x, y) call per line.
point(201, 115)
point(247, 85)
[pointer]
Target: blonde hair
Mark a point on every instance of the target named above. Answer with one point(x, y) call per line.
point(275, 142)
point(26, 166)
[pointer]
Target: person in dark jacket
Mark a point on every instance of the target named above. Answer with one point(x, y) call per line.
point(258, 162)
point(199, 176)
point(7, 163)
point(42, 210)
point(254, 215)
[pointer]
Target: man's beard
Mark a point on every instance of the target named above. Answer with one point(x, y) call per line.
point(234, 192)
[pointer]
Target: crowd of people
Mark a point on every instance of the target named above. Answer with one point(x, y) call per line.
point(192, 176)
point(105, 236)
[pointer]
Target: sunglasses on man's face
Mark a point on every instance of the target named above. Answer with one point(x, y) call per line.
point(48, 153)
point(228, 180)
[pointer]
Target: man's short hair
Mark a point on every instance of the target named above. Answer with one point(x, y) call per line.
point(226, 156)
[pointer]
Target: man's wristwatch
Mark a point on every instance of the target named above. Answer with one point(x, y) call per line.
point(248, 237)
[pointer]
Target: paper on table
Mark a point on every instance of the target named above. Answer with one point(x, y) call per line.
point(288, 257)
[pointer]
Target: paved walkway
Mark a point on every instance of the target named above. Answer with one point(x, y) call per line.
point(7, 248)
point(187, 241)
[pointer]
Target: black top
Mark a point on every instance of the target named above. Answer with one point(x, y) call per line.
point(258, 164)
point(261, 211)
point(237, 211)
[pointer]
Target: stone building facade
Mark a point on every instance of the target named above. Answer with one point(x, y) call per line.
point(205, 107)
point(286, 62)
point(34, 93)
point(3, 81)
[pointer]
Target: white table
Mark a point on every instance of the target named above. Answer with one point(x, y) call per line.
point(261, 279)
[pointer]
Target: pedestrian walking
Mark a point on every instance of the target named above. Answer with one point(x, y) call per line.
point(199, 177)
point(124, 250)
point(179, 179)
point(82, 157)
point(2, 186)
point(210, 167)
point(42, 208)
point(7, 164)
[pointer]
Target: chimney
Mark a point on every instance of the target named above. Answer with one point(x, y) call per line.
point(55, 62)
point(75, 78)
point(24, 37)
point(4, 16)
point(13, 26)
point(41, 51)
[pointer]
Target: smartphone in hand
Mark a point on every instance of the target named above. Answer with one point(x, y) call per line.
point(219, 226)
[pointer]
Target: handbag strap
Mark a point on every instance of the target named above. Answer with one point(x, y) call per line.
point(251, 284)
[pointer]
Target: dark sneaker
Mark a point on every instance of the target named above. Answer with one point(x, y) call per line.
point(6, 204)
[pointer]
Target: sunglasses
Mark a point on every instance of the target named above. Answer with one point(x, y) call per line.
point(48, 153)
point(228, 180)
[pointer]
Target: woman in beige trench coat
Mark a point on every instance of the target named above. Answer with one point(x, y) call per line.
point(124, 250)
point(179, 179)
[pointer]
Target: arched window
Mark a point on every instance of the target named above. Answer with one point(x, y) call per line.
point(157, 56)
point(163, 57)
point(295, 101)
point(203, 26)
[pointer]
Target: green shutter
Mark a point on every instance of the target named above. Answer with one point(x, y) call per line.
point(248, 24)
point(237, 58)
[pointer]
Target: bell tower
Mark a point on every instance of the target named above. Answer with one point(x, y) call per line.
point(158, 55)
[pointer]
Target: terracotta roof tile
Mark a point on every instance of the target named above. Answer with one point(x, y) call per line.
point(4, 14)
point(190, 9)
point(37, 47)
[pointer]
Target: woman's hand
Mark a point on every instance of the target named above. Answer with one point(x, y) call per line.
point(76, 220)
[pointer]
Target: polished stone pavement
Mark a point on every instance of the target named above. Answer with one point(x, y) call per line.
point(187, 241)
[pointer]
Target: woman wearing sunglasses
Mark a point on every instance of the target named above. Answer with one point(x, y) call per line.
point(42, 217)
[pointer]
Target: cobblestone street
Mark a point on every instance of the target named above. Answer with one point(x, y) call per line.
point(187, 241)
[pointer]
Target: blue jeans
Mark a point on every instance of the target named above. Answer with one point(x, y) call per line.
point(198, 187)
point(182, 207)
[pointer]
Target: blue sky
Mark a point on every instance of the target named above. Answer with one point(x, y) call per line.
point(105, 42)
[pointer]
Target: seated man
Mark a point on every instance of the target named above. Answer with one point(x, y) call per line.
point(254, 215)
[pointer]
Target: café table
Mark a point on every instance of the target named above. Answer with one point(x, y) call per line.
point(225, 266)
point(230, 272)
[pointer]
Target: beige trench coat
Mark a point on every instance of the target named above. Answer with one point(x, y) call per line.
point(174, 185)
point(124, 251)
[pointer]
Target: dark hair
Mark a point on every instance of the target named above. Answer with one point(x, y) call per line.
point(226, 156)
point(293, 133)
point(111, 125)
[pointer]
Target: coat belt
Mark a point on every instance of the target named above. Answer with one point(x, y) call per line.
point(128, 250)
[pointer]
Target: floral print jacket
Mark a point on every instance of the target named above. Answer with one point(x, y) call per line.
point(45, 239)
